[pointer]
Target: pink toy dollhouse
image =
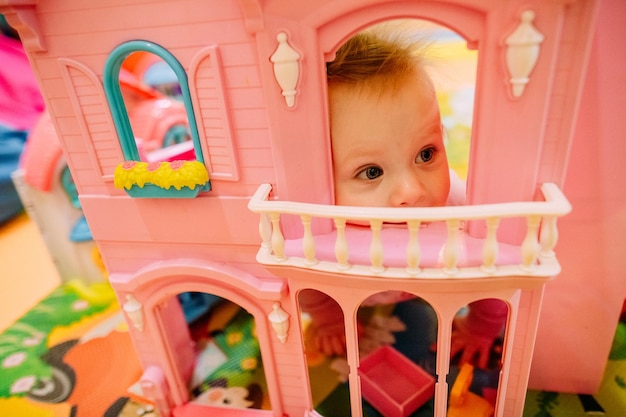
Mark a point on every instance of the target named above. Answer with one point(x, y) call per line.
point(249, 218)
point(48, 192)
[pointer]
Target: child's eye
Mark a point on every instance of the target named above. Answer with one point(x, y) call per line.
point(370, 173)
point(425, 155)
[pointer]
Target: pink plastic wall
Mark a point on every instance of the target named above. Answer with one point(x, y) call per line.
point(582, 306)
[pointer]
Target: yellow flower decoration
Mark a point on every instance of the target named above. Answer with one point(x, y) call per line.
point(177, 174)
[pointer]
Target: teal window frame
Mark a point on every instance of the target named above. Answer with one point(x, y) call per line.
point(67, 182)
point(116, 102)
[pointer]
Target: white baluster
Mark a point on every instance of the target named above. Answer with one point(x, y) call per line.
point(548, 236)
point(265, 230)
point(451, 248)
point(308, 243)
point(341, 245)
point(530, 245)
point(278, 241)
point(490, 248)
point(376, 247)
point(413, 248)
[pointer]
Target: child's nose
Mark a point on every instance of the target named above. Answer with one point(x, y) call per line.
point(408, 192)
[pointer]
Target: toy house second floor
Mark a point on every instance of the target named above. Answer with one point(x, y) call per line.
point(249, 81)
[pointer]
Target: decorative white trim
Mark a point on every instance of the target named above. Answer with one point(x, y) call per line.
point(522, 52)
point(286, 68)
point(536, 251)
point(280, 321)
point(134, 311)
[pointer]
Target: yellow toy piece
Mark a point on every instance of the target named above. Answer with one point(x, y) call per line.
point(464, 403)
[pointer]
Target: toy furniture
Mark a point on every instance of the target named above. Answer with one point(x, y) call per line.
point(386, 372)
point(250, 219)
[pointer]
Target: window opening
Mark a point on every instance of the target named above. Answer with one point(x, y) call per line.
point(450, 66)
point(156, 110)
point(153, 127)
point(397, 340)
point(324, 335)
point(445, 82)
point(477, 352)
point(228, 371)
point(154, 105)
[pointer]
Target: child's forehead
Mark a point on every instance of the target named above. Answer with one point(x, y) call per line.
point(363, 121)
point(380, 88)
point(345, 99)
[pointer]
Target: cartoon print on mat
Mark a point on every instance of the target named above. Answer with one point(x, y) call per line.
point(24, 343)
point(230, 397)
point(58, 355)
point(229, 371)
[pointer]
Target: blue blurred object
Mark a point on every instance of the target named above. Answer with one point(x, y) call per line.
point(195, 304)
point(11, 146)
point(81, 232)
point(6, 29)
point(162, 77)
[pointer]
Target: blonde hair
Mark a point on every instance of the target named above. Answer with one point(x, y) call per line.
point(377, 59)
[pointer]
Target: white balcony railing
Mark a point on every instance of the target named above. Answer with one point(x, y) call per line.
point(534, 256)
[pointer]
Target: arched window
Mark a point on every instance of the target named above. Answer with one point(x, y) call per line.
point(134, 147)
point(449, 65)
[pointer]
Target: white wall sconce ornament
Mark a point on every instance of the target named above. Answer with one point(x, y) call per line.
point(134, 311)
point(522, 52)
point(280, 322)
point(286, 68)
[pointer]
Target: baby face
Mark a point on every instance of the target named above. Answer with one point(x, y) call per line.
point(388, 148)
